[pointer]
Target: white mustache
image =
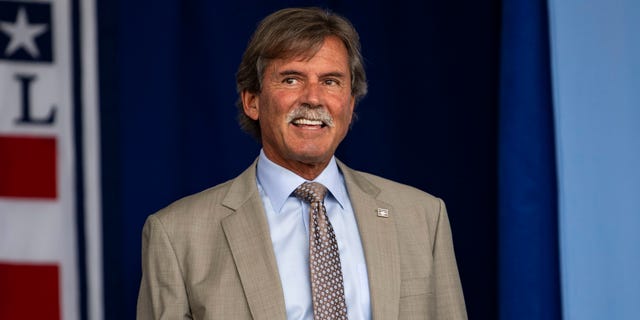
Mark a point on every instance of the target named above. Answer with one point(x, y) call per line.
point(306, 112)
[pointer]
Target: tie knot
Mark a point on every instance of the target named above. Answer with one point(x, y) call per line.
point(311, 192)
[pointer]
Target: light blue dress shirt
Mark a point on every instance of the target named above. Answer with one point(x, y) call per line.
point(288, 219)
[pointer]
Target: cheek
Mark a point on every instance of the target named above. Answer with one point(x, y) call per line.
point(347, 114)
point(271, 110)
point(281, 106)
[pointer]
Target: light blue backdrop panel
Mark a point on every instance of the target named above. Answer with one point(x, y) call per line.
point(596, 75)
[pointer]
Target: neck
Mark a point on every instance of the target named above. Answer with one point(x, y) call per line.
point(308, 170)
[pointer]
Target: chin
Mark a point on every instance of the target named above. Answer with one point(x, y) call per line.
point(312, 157)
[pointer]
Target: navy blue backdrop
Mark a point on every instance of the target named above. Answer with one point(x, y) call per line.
point(168, 118)
point(528, 254)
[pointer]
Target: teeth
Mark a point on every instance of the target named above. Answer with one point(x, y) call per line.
point(307, 122)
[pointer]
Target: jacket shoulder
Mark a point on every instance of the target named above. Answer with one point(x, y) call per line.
point(398, 193)
point(212, 204)
point(194, 211)
point(207, 198)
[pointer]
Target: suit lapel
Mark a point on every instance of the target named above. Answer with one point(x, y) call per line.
point(380, 244)
point(247, 232)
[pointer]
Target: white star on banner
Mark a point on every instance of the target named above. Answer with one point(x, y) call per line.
point(22, 34)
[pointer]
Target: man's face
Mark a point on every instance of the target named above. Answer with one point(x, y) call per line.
point(305, 107)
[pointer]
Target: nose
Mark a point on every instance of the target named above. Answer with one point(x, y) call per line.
point(312, 95)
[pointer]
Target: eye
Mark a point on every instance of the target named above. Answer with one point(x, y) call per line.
point(331, 82)
point(290, 81)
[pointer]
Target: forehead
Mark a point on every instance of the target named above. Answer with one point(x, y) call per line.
point(330, 54)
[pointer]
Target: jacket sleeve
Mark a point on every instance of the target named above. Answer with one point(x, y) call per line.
point(448, 290)
point(162, 290)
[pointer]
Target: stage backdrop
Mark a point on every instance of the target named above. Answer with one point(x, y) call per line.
point(596, 60)
point(523, 116)
point(168, 117)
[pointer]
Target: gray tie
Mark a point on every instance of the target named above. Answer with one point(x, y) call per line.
point(327, 288)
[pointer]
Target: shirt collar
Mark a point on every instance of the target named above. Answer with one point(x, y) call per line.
point(278, 182)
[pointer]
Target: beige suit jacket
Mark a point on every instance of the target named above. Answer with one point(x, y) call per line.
point(209, 255)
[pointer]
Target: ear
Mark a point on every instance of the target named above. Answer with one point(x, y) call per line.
point(352, 115)
point(352, 103)
point(250, 104)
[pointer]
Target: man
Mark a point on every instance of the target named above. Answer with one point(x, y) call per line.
point(299, 235)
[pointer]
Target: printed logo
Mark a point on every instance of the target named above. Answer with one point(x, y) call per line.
point(25, 31)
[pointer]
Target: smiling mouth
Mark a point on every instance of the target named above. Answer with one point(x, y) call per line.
point(300, 122)
point(305, 116)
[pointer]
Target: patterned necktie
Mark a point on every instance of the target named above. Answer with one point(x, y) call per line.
point(327, 289)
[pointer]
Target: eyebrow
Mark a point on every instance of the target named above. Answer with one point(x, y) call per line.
point(335, 74)
point(290, 73)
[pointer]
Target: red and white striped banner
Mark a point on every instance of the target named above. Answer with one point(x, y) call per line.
point(50, 264)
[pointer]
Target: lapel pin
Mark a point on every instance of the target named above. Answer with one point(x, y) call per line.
point(383, 213)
